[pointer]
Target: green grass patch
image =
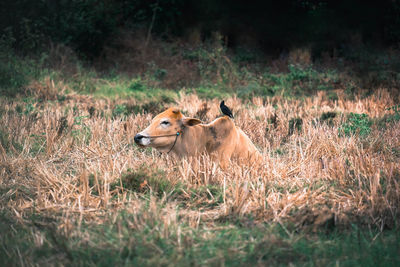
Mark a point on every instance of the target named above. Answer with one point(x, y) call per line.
point(359, 124)
point(206, 196)
point(146, 179)
point(136, 88)
point(140, 239)
point(211, 91)
point(299, 81)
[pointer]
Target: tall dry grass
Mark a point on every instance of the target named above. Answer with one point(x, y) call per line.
point(67, 160)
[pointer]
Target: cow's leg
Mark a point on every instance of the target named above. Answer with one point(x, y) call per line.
point(194, 163)
point(224, 163)
point(224, 157)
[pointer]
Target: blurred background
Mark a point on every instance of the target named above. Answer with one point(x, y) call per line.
point(232, 46)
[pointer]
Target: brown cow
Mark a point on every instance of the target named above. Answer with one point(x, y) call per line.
point(170, 131)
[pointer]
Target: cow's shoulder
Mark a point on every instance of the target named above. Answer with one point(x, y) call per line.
point(222, 122)
point(220, 128)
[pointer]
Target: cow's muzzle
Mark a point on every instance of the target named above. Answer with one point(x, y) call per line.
point(141, 139)
point(138, 138)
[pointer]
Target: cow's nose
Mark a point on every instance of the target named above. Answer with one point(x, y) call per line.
point(138, 137)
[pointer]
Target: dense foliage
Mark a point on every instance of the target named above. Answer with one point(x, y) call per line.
point(87, 25)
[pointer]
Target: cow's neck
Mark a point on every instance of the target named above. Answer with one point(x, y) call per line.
point(191, 141)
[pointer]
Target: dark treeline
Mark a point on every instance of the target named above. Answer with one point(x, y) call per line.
point(87, 25)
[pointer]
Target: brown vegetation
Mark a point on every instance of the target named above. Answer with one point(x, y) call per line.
point(70, 161)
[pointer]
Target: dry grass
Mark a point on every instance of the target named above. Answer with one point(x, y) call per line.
point(64, 163)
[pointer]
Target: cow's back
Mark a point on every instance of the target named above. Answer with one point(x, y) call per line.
point(229, 142)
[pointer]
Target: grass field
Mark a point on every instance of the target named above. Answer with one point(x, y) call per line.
point(75, 190)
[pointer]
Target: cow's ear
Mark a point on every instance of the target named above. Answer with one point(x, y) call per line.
point(190, 121)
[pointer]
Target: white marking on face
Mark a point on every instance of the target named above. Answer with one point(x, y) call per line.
point(165, 123)
point(145, 141)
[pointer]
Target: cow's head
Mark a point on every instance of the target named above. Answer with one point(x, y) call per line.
point(163, 129)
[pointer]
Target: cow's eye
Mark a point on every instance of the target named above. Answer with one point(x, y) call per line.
point(165, 123)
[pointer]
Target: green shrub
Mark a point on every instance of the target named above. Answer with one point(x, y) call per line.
point(299, 81)
point(255, 89)
point(137, 86)
point(298, 73)
point(14, 73)
point(120, 111)
point(356, 124)
point(210, 92)
point(328, 117)
point(243, 54)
